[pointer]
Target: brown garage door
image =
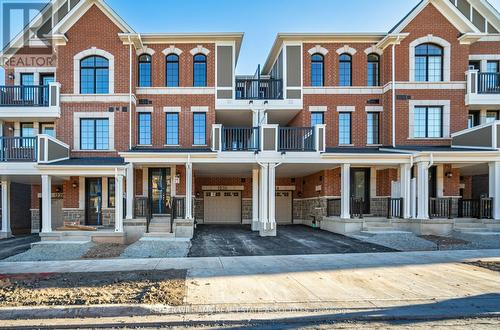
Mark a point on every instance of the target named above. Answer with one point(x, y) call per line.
point(284, 207)
point(222, 207)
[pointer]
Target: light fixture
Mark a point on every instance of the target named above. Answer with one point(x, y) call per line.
point(449, 175)
point(74, 185)
point(266, 102)
point(11, 76)
point(251, 102)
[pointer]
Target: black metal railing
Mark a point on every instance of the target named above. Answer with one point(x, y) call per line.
point(476, 208)
point(178, 208)
point(240, 139)
point(395, 208)
point(357, 207)
point(296, 138)
point(142, 209)
point(488, 83)
point(18, 149)
point(26, 96)
point(333, 207)
point(259, 89)
point(440, 208)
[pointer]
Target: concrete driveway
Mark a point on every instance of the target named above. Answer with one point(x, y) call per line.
point(239, 240)
point(13, 246)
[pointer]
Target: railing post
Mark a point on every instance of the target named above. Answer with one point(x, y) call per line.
point(389, 208)
point(216, 137)
point(319, 137)
point(450, 207)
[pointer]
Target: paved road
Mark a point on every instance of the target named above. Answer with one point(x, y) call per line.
point(13, 246)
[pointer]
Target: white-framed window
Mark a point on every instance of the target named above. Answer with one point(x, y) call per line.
point(430, 60)
point(429, 119)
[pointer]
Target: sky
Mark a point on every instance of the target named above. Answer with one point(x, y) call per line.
point(261, 20)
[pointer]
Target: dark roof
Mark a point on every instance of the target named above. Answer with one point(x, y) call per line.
point(171, 150)
point(436, 149)
point(352, 150)
point(91, 161)
point(406, 16)
point(399, 150)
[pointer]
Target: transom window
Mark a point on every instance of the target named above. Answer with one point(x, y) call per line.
point(172, 124)
point(345, 70)
point(144, 128)
point(317, 69)
point(172, 71)
point(200, 70)
point(317, 118)
point(428, 122)
point(199, 128)
point(373, 124)
point(94, 134)
point(428, 63)
point(344, 128)
point(373, 70)
point(145, 70)
point(94, 75)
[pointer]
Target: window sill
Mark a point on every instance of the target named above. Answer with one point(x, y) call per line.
point(103, 151)
point(374, 145)
point(199, 145)
point(429, 139)
point(144, 145)
point(171, 145)
point(346, 145)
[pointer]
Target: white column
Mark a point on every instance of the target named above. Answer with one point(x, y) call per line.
point(118, 203)
point(345, 186)
point(494, 185)
point(423, 190)
point(6, 231)
point(46, 204)
point(130, 191)
point(405, 180)
point(272, 196)
point(263, 214)
point(189, 191)
point(255, 199)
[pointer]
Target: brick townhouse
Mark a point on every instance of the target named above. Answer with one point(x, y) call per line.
point(150, 134)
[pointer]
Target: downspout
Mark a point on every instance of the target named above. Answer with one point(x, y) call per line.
point(394, 93)
point(130, 95)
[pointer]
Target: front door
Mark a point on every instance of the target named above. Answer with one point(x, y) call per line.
point(360, 186)
point(433, 182)
point(159, 190)
point(93, 201)
point(45, 80)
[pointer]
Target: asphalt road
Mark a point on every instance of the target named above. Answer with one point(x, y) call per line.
point(13, 246)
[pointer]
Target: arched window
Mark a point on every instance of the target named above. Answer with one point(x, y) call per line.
point(94, 75)
point(428, 63)
point(145, 70)
point(345, 70)
point(373, 69)
point(200, 70)
point(172, 71)
point(317, 70)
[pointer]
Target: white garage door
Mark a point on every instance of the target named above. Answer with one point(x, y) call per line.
point(284, 207)
point(222, 207)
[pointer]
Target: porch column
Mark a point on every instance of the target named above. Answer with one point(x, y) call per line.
point(5, 232)
point(118, 203)
point(345, 186)
point(46, 204)
point(405, 178)
point(130, 192)
point(263, 210)
point(423, 190)
point(494, 185)
point(189, 192)
point(255, 200)
point(269, 228)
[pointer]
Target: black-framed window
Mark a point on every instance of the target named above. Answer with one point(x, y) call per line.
point(345, 70)
point(199, 70)
point(373, 128)
point(345, 128)
point(144, 128)
point(27, 79)
point(94, 134)
point(428, 63)
point(317, 118)
point(473, 119)
point(317, 70)
point(111, 192)
point(199, 128)
point(492, 115)
point(373, 68)
point(428, 122)
point(172, 126)
point(493, 66)
point(145, 70)
point(172, 66)
point(94, 75)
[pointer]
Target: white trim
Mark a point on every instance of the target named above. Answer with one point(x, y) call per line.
point(172, 50)
point(346, 108)
point(89, 52)
point(172, 109)
point(490, 57)
point(36, 73)
point(144, 109)
point(101, 98)
point(346, 50)
point(373, 108)
point(318, 108)
point(285, 188)
point(223, 188)
point(199, 109)
point(76, 129)
point(446, 55)
point(318, 49)
point(176, 90)
point(374, 50)
point(199, 50)
point(446, 116)
point(341, 90)
point(145, 50)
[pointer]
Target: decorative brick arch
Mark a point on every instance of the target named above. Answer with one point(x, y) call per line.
point(199, 50)
point(172, 50)
point(145, 50)
point(374, 50)
point(446, 55)
point(318, 50)
point(91, 52)
point(346, 50)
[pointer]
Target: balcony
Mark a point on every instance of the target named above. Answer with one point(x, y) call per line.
point(259, 89)
point(39, 149)
point(482, 88)
point(18, 102)
point(240, 138)
point(296, 139)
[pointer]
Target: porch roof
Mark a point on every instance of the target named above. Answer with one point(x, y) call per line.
point(90, 161)
point(170, 150)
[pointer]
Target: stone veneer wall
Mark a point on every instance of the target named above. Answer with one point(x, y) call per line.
point(74, 216)
point(309, 209)
point(108, 217)
point(35, 221)
point(378, 206)
point(198, 209)
point(246, 209)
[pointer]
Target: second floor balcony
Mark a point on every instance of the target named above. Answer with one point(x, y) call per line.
point(18, 102)
point(260, 88)
point(483, 88)
point(38, 149)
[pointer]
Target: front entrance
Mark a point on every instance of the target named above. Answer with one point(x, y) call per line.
point(93, 201)
point(222, 207)
point(360, 186)
point(283, 207)
point(160, 183)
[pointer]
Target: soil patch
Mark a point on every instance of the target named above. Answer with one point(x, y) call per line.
point(491, 265)
point(444, 241)
point(105, 251)
point(165, 287)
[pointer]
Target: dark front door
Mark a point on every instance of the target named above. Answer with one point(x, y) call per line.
point(45, 80)
point(433, 182)
point(360, 186)
point(159, 190)
point(93, 201)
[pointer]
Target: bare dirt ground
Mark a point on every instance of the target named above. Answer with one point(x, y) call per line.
point(495, 266)
point(105, 251)
point(134, 287)
point(444, 241)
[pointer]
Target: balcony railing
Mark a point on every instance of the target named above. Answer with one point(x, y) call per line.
point(18, 149)
point(488, 83)
point(296, 139)
point(24, 96)
point(240, 139)
point(259, 89)
point(461, 208)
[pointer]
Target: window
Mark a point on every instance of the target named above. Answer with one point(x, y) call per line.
point(27, 94)
point(428, 122)
point(492, 67)
point(27, 79)
point(172, 71)
point(111, 192)
point(428, 63)
point(317, 70)
point(199, 128)
point(473, 119)
point(373, 122)
point(172, 128)
point(200, 71)
point(94, 75)
point(344, 128)
point(317, 118)
point(27, 130)
point(491, 116)
point(49, 129)
point(144, 122)
point(94, 134)
point(145, 70)
point(373, 70)
point(475, 65)
point(345, 70)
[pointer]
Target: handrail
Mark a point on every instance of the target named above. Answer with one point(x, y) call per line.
point(17, 148)
point(259, 89)
point(395, 207)
point(488, 83)
point(240, 139)
point(357, 207)
point(27, 96)
point(296, 139)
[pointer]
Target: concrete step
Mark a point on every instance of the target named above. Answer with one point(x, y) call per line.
point(378, 228)
point(157, 236)
point(470, 225)
point(472, 230)
point(387, 231)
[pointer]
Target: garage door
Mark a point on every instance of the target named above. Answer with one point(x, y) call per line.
point(222, 207)
point(284, 207)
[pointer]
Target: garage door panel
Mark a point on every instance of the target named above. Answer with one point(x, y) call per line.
point(223, 207)
point(284, 207)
